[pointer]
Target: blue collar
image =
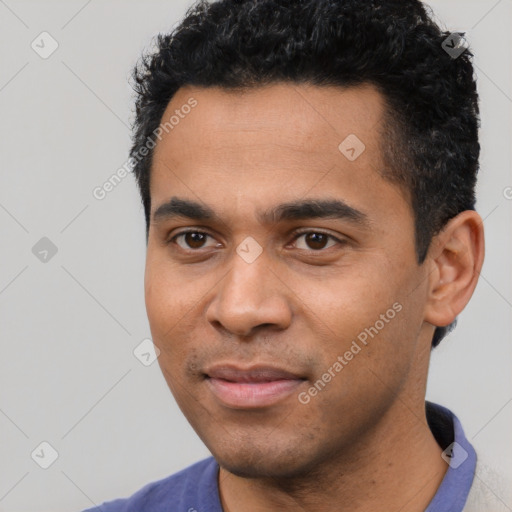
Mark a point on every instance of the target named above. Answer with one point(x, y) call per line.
point(458, 453)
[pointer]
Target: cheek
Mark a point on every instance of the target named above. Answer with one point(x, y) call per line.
point(164, 304)
point(158, 302)
point(166, 293)
point(348, 303)
point(167, 318)
point(371, 315)
point(173, 303)
point(364, 369)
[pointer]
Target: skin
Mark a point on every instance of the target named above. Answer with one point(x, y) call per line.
point(362, 443)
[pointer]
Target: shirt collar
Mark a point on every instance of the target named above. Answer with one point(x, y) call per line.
point(458, 453)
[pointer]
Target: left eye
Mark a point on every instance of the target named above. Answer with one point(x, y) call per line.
point(316, 240)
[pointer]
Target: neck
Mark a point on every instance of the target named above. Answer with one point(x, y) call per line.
point(397, 465)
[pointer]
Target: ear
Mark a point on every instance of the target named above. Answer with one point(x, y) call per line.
point(455, 260)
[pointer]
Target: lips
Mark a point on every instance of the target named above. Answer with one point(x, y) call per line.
point(253, 387)
point(254, 374)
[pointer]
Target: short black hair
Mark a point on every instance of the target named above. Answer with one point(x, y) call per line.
point(431, 123)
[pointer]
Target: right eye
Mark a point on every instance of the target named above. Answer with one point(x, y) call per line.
point(192, 240)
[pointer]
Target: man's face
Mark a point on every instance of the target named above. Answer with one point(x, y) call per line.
point(245, 336)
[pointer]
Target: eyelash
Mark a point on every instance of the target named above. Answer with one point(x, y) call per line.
point(296, 235)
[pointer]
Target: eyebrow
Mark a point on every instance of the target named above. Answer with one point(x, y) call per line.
point(294, 210)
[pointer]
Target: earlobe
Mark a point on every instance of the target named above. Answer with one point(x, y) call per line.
point(456, 260)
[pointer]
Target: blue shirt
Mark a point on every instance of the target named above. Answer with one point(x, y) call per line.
point(195, 489)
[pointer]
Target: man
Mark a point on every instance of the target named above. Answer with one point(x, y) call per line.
point(307, 170)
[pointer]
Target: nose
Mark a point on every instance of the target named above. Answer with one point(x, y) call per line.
point(250, 296)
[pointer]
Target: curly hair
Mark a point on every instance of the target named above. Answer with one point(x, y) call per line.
point(430, 127)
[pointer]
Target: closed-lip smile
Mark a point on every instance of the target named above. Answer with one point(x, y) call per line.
point(251, 387)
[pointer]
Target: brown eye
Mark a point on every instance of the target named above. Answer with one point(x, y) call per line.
point(191, 240)
point(195, 240)
point(316, 240)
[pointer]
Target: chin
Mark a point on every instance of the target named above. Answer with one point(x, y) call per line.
point(261, 469)
point(265, 462)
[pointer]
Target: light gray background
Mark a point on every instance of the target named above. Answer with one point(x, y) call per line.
point(69, 326)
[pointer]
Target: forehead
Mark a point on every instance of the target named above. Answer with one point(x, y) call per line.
point(303, 122)
point(272, 144)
